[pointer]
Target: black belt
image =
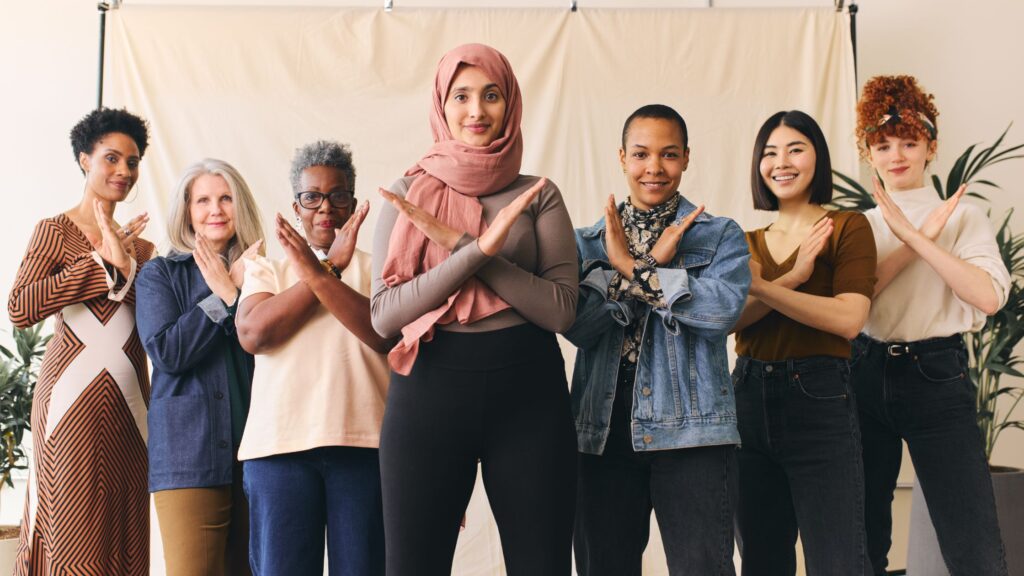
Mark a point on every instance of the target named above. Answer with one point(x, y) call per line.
point(917, 347)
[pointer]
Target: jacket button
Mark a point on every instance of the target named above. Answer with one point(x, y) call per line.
point(648, 439)
point(223, 443)
point(218, 395)
point(646, 391)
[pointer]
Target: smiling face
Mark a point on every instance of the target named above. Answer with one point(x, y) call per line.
point(112, 168)
point(474, 108)
point(319, 223)
point(211, 210)
point(653, 161)
point(900, 162)
point(787, 164)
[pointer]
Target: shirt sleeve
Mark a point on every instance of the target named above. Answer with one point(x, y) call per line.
point(548, 296)
point(392, 308)
point(976, 244)
point(260, 277)
point(47, 282)
point(855, 258)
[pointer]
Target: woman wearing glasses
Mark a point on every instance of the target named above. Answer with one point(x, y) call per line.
point(309, 449)
point(201, 376)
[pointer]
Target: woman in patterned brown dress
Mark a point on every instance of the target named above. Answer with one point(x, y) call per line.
point(87, 510)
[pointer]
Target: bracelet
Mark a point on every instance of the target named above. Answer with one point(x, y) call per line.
point(331, 269)
point(648, 261)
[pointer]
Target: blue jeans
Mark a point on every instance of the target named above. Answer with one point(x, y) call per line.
point(920, 392)
point(293, 497)
point(799, 468)
point(691, 490)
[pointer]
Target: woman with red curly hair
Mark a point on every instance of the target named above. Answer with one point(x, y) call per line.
point(939, 275)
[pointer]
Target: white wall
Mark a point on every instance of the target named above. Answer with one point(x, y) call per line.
point(967, 53)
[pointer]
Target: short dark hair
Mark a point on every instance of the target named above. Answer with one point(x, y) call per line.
point(821, 184)
point(661, 112)
point(102, 121)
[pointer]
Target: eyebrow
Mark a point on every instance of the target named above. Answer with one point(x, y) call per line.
point(487, 87)
point(793, 143)
point(676, 146)
point(118, 152)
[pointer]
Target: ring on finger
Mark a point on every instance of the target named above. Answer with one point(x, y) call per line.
point(126, 231)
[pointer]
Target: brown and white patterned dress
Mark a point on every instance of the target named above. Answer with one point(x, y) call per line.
point(87, 510)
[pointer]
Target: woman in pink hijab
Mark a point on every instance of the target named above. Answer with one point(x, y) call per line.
point(474, 269)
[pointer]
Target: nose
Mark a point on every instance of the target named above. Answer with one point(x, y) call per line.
point(475, 108)
point(654, 164)
point(325, 207)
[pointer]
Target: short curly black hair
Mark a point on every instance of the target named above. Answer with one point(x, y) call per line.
point(102, 121)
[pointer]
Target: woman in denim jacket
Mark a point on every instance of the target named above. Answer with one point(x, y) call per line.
point(661, 284)
point(201, 376)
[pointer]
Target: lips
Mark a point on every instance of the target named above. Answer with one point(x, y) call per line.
point(477, 128)
point(120, 185)
point(899, 170)
point(783, 178)
point(332, 224)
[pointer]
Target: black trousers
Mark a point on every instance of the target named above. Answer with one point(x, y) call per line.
point(920, 393)
point(500, 398)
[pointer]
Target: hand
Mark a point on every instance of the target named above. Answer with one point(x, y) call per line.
point(937, 218)
point(615, 243)
point(894, 217)
point(435, 231)
point(755, 276)
point(130, 231)
point(810, 248)
point(665, 248)
point(344, 244)
point(306, 265)
point(111, 247)
point(494, 237)
point(237, 272)
point(214, 272)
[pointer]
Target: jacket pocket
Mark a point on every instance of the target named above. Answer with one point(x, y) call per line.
point(179, 436)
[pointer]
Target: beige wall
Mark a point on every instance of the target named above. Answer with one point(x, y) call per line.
point(967, 53)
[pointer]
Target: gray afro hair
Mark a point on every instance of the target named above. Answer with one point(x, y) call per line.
point(323, 153)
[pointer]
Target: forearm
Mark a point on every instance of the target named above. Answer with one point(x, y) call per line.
point(970, 283)
point(889, 268)
point(274, 320)
point(842, 315)
point(350, 307)
point(548, 302)
point(755, 308)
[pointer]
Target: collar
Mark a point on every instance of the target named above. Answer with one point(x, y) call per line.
point(685, 207)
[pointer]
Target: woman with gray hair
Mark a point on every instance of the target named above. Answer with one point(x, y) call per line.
point(310, 444)
point(201, 376)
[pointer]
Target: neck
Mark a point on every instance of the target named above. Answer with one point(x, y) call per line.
point(912, 186)
point(797, 212)
point(85, 212)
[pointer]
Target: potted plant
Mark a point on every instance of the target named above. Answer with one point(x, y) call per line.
point(991, 356)
point(19, 370)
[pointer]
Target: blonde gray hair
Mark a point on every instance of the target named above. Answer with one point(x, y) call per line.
point(248, 224)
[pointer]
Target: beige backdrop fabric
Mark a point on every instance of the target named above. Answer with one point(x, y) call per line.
point(249, 85)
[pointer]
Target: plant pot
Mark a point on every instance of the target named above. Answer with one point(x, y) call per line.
point(923, 555)
point(8, 549)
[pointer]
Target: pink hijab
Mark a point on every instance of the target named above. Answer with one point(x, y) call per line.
point(449, 178)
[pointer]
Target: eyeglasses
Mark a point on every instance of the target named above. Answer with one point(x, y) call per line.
point(313, 200)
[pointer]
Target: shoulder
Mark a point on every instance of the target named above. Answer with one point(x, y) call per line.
point(849, 222)
point(549, 195)
point(401, 186)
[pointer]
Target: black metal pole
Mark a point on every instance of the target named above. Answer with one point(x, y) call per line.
point(102, 7)
point(853, 35)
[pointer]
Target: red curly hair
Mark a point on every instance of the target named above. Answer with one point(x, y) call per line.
point(884, 95)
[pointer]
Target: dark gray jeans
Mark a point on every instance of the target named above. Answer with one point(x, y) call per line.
point(920, 392)
point(691, 490)
point(799, 468)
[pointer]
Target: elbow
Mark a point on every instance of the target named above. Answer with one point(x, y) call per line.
point(251, 338)
point(381, 326)
point(990, 308)
point(851, 332)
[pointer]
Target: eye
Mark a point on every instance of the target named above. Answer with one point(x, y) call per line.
point(795, 150)
point(225, 198)
point(133, 164)
point(768, 154)
point(202, 200)
point(911, 144)
point(493, 97)
point(459, 98)
point(639, 155)
point(111, 158)
point(670, 155)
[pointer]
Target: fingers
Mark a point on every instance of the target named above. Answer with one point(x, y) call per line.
point(526, 198)
point(355, 220)
point(400, 204)
point(253, 250)
point(685, 224)
point(287, 236)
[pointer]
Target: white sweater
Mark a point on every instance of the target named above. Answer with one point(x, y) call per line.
point(918, 304)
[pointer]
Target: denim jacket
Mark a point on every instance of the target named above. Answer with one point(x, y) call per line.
point(682, 395)
point(186, 331)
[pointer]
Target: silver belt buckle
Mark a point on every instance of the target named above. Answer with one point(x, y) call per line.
point(898, 349)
